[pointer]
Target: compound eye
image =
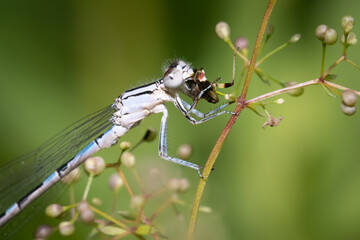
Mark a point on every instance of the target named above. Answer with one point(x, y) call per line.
point(174, 79)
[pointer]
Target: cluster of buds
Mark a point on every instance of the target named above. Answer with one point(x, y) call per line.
point(349, 99)
point(86, 211)
point(329, 36)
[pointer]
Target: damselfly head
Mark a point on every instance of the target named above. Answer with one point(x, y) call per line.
point(190, 81)
point(176, 74)
point(198, 83)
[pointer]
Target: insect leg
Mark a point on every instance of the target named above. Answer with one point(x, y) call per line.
point(163, 143)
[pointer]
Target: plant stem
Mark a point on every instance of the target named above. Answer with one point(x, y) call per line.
point(352, 63)
point(342, 58)
point(239, 107)
point(256, 49)
point(108, 217)
point(323, 59)
point(87, 188)
point(271, 53)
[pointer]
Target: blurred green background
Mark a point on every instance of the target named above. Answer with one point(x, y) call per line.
point(61, 60)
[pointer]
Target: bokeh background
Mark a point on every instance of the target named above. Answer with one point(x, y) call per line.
point(61, 60)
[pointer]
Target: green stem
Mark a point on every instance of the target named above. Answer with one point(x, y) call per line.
point(86, 192)
point(271, 53)
point(108, 217)
point(352, 63)
point(323, 59)
point(345, 43)
point(342, 58)
point(218, 145)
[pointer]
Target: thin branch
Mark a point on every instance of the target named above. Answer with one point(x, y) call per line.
point(239, 107)
point(256, 49)
point(281, 91)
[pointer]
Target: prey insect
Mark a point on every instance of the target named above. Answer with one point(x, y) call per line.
point(22, 180)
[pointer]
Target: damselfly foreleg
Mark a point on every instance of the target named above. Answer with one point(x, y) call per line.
point(163, 143)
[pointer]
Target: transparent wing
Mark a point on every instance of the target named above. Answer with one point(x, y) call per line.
point(21, 175)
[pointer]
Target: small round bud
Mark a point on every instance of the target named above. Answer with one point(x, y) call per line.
point(125, 145)
point(295, 92)
point(184, 151)
point(96, 201)
point(95, 165)
point(320, 31)
point(241, 43)
point(115, 182)
point(87, 216)
point(72, 177)
point(205, 209)
point(183, 185)
point(54, 210)
point(128, 159)
point(173, 184)
point(295, 38)
point(137, 201)
point(269, 30)
point(150, 134)
point(348, 110)
point(222, 30)
point(66, 228)
point(280, 101)
point(351, 39)
point(43, 231)
point(330, 37)
point(347, 23)
point(349, 97)
point(154, 172)
point(83, 206)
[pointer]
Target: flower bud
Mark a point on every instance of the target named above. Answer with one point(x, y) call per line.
point(347, 23)
point(295, 38)
point(184, 151)
point(269, 30)
point(95, 165)
point(115, 182)
point(173, 184)
point(125, 145)
point(295, 92)
point(96, 201)
point(66, 228)
point(54, 210)
point(351, 38)
point(280, 101)
point(150, 134)
point(154, 172)
point(183, 185)
point(348, 110)
point(87, 216)
point(83, 206)
point(222, 30)
point(137, 201)
point(43, 231)
point(320, 31)
point(349, 97)
point(241, 43)
point(330, 37)
point(72, 177)
point(128, 159)
point(205, 209)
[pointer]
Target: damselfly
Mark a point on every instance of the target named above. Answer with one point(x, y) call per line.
point(102, 129)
